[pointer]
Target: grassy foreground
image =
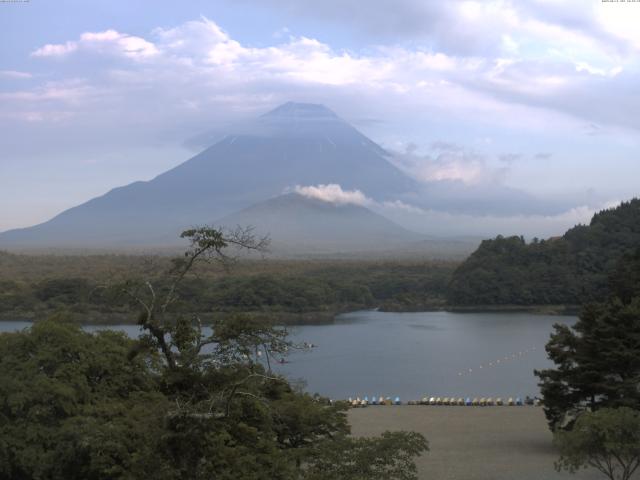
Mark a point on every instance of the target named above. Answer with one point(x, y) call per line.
point(473, 443)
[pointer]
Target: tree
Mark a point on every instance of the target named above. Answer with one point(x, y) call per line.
point(388, 456)
point(185, 400)
point(73, 406)
point(568, 270)
point(607, 440)
point(597, 362)
point(598, 359)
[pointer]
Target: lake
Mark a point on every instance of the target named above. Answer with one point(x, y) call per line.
point(412, 355)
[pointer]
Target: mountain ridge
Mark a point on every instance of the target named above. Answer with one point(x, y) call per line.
point(293, 144)
point(295, 223)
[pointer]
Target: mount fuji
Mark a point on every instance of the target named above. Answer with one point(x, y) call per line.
point(294, 144)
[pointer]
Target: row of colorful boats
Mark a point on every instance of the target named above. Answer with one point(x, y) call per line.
point(449, 401)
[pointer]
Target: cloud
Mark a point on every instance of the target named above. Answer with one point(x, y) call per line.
point(55, 50)
point(333, 193)
point(108, 41)
point(439, 223)
point(205, 66)
point(528, 77)
point(447, 161)
point(15, 74)
point(478, 27)
point(509, 158)
point(449, 222)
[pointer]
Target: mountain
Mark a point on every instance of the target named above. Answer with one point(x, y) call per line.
point(295, 144)
point(298, 224)
point(573, 269)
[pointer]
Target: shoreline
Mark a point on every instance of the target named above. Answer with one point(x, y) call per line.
point(303, 318)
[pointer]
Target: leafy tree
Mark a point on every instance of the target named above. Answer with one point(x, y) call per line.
point(182, 401)
point(73, 406)
point(388, 456)
point(569, 270)
point(607, 440)
point(598, 359)
point(597, 362)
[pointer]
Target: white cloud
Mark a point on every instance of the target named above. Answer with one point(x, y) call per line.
point(15, 74)
point(434, 222)
point(108, 41)
point(620, 19)
point(333, 193)
point(55, 50)
point(448, 162)
point(533, 88)
point(444, 223)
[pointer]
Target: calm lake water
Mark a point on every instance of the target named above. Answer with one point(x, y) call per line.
point(412, 355)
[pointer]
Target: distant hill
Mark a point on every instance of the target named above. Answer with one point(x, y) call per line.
point(572, 269)
point(297, 224)
point(295, 144)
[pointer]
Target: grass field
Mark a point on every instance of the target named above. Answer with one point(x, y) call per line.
point(473, 443)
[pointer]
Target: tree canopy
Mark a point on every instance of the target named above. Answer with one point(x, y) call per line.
point(569, 270)
point(597, 361)
point(181, 401)
point(607, 440)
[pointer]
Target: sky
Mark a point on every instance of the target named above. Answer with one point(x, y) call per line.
point(534, 99)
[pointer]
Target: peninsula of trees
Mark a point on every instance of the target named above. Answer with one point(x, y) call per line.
point(573, 269)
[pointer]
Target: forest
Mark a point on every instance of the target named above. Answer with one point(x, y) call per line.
point(286, 291)
point(573, 269)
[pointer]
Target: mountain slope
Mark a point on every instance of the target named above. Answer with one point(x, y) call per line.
point(572, 269)
point(295, 144)
point(297, 224)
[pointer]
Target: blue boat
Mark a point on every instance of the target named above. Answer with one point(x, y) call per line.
point(467, 402)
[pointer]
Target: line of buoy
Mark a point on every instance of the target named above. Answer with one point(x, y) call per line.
point(498, 361)
point(447, 401)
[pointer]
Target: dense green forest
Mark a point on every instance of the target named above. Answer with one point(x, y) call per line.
point(570, 270)
point(286, 291)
